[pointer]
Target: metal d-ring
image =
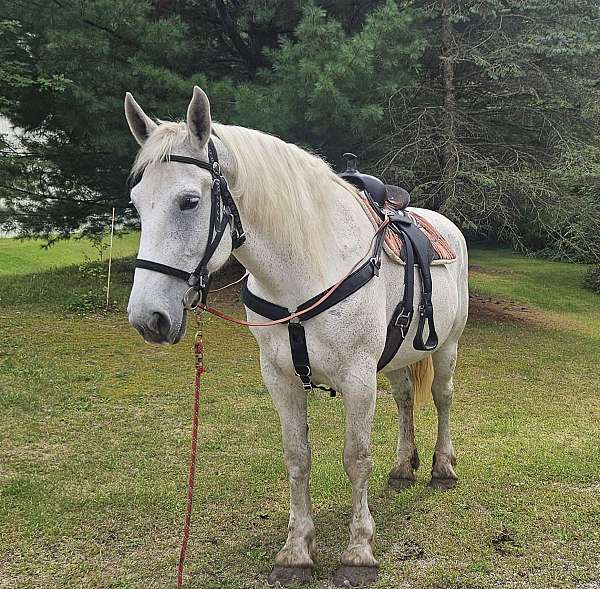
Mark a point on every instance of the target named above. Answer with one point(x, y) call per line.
point(191, 298)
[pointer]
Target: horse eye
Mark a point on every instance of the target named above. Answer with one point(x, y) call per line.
point(188, 203)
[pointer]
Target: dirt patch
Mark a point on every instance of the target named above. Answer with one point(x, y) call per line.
point(408, 550)
point(494, 310)
point(490, 271)
point(504, 543)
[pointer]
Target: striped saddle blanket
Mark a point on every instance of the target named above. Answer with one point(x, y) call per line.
point(443, 253)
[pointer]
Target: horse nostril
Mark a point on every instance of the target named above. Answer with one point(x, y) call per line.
point(160, 323)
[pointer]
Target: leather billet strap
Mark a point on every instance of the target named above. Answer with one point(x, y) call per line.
point(402, 316)
point(223, 213)
point(423, 255)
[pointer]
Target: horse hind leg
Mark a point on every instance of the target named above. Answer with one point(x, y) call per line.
point(443, 476)
point(402, 474)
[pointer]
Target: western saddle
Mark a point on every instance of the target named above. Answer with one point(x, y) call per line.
point(385, 195)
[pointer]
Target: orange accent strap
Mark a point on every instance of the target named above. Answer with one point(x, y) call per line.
point(296, 314)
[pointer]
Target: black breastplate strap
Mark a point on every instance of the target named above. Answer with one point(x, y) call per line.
point(223, 213)
point(417, 248)
point(297, 335)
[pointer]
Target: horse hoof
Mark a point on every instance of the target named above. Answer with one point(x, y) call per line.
point(442, 484)
point(399, 484)
point(289, 576)
point(355, 576)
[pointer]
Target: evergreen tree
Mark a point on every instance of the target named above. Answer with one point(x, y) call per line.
point(503, 132)
point(486, 109)
point(78, 148)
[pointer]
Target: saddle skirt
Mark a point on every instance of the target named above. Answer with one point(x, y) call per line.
point(443, 253)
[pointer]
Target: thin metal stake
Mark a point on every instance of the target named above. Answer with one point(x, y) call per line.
point(112, 232)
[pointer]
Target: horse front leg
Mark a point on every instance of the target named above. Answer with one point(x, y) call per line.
point(294, 562)
point(358, 565)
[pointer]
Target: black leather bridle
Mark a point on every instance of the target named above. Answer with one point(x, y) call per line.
point(223, 212)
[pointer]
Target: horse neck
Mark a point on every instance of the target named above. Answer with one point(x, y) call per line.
point(288, 277)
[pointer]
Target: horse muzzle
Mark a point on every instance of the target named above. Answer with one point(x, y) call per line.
point(157, 327)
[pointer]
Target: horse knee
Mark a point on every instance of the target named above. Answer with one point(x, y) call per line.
point(442, 393)
point(298, 462)
point(358, 463)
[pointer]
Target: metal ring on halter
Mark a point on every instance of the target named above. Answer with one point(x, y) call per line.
point(191, 298)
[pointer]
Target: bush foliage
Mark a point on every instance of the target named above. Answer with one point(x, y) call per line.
point(591, 280)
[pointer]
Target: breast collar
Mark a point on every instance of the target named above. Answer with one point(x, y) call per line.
point(223, 212)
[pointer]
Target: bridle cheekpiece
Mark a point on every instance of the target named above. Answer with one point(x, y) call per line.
point(223, 213)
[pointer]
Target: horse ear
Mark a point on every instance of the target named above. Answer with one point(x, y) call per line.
point(140, 123)
point(198, 119)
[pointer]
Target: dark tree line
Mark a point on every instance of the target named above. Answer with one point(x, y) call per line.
point(487, 110)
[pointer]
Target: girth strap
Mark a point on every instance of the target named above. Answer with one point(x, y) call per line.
point(423, 253)
point(402, 316)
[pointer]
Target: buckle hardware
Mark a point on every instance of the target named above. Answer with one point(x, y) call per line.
point(403, 322)
point(197, 281)
point(376, 265)
point(308, 373)
point(305, 378)
point(191, 298)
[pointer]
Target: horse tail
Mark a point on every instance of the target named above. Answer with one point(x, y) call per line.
point(421, 375)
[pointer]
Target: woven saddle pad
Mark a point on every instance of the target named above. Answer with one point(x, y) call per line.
point(444, 254)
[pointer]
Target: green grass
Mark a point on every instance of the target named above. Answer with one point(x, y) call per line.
point(94, 443)
point(552, 286)
point(23, 256)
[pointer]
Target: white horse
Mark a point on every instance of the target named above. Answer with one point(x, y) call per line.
point(305, 230)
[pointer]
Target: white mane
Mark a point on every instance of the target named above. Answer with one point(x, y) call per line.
point(282, 190)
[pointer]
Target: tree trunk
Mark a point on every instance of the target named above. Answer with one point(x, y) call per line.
point(449, 151)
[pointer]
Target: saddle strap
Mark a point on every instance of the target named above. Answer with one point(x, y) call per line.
point(403, 313)
point(301, 360)
point(423, 255)
point(417, 248)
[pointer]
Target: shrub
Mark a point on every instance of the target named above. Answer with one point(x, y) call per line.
point(591, 280)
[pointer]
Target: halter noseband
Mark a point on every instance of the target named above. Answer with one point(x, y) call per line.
point(223, 212)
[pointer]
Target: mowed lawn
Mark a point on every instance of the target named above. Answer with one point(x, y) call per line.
point(94, 441)
point(19, 256)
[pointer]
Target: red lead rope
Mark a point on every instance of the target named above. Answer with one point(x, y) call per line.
point(199, 365)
